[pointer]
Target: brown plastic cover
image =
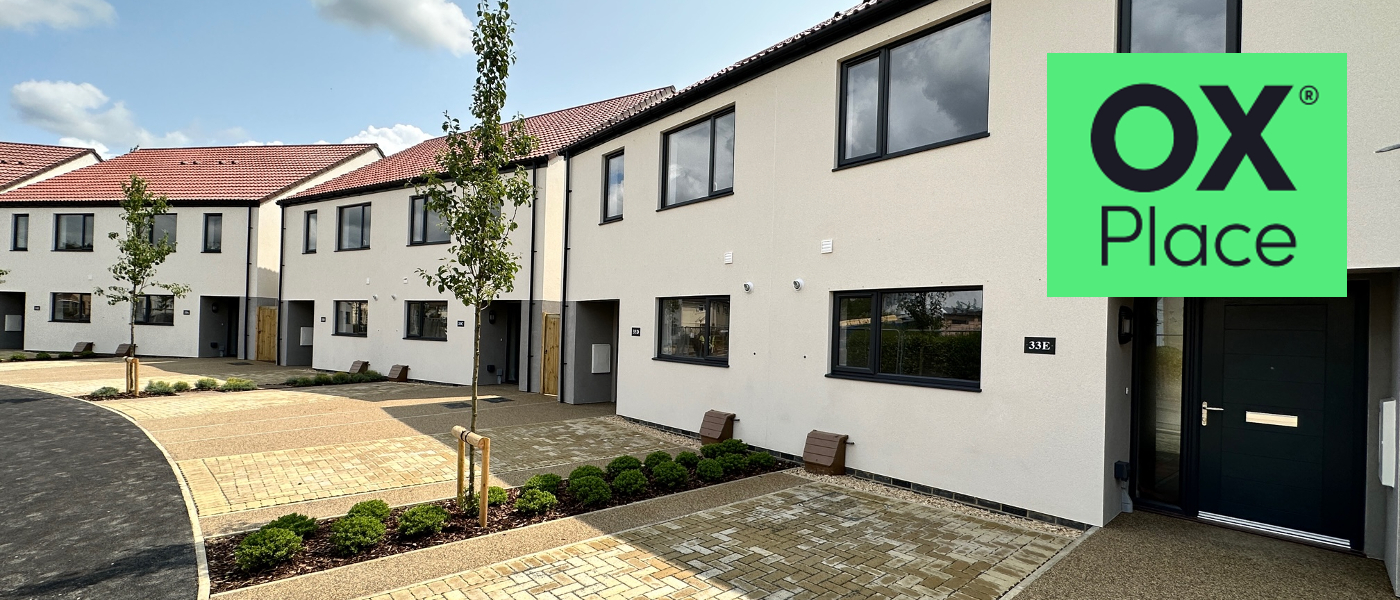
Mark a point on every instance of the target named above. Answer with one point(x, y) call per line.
point(716, 427)
point(359, 366)
point(398, 373)
point(126, 350)
point(82, 347)
point(825, 452)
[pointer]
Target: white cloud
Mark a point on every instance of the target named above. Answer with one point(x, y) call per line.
point(257, 143)
point(426, 23)
point(94, 144)
point(390, 139)
point(58, 14)
point(75, 112)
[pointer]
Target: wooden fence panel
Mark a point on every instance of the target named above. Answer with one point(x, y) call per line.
point(549, 367)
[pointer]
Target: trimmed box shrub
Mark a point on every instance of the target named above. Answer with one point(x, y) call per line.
point(545, 482)
point(729, 446)
point(629, 483)
point(87, 354)
point(359, 378)
point(206, 383)
point(302, 382)
point(65, 355)
point(656, 458)
point(536, 501)
point(759, 461)
point(265, 548)
point(374, 375)
point(623, 463)
point(322, 379)
point(586, 471)
point(669, 475)
point(297, 523)
point(42, 356)
point(19, 357)
point(235, 384)
point(180, 386)
point(687, 459)
point(734, 464)
point(710, 470)
point(590, 491)
point(340, 378)
point(353, 534)
point(374, 509)
point(423, 519)
point(158, 388)
point(105, 391)
point(496, 496)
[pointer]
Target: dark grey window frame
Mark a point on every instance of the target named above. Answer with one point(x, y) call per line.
point(151, 233)
point(308, 232)
point(1233, 31)
point(882, 54)
point(407, 315)
point(335, 318)
point(205, 247)
point(53, 308)
point(707, 361)
point(340, 229)
point(144, 308)
point(413, 221)
point(87, 218)
point(665, 150)
point(14, 232)
point(872, 373)
point(607, 161)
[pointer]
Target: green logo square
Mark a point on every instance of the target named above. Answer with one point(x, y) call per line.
point(1197, 175)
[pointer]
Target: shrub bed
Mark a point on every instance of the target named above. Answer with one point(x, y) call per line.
point(334, 379)
point(373, 530)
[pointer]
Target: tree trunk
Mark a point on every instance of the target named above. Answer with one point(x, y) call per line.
point(130, 367)
point(476, 379)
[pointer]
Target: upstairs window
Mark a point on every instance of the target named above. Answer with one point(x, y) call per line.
point(71, 308)
point(308, 232)
point(19, 233)
point(352, 317)
point(73, 233)
point(694, 330)
point(354, 227)
point(1179, 26)
point(699, 161)
point(424, 226)
point(930, 336)
point(612, 187)
point(917, 94)
point(214, 232)
point(426, 321)
point(162, 228)
point(155, 310)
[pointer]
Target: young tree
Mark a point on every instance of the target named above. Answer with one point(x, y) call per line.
point(139, 254)
point(475, 192)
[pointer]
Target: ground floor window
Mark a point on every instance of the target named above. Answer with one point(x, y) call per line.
point(155, 310)
point(72, 308)
point(694, 330)
point(928, 336)
point(352, 317)
point(426, 321)
point(1163, 349)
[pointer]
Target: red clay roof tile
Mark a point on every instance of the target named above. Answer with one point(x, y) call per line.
point(19, 162)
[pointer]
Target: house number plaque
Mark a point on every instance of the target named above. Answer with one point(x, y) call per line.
point(1040, 345)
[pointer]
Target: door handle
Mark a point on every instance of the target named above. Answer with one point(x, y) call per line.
point(1205, 413)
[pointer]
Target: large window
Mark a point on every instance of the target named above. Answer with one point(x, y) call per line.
point(71, 308)
point(308, 233)
point(918, 94)
point(19, 233)
point(1179, 25)
point(694, 330)
point(352, 317)
point(73, 233)
point(612, 187)
point(426, 320)
point(424, 226)
point(699, 161)
point(162, 228)
point(214, 232)
point(353, 227)
point(155, 310)
point(917, 336)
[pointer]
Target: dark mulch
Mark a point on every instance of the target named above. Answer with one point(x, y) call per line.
point(318, 555)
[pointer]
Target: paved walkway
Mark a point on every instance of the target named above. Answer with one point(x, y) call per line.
point(808, 542)
point(92, 508)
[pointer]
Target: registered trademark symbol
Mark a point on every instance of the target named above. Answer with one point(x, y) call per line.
point(1308, 95)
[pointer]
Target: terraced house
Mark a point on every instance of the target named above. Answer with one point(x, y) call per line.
point(351, 250)
point(222, 221)
point(846, 232)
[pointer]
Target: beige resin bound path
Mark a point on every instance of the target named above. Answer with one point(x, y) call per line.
point(249, 457)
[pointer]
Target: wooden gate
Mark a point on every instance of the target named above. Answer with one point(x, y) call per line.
point(267, 333)
point(549, 367)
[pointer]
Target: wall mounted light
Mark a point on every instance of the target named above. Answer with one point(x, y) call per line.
point(748, 286)
point(491, 317)
point(797, 284)
point(1125, 324)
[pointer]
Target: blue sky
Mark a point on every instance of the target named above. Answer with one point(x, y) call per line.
point(114, 73)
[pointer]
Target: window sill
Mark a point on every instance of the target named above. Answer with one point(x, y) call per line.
point(692, 361)
point(308, 251)
point(72, 249)
point(67, 321)
point(358, 335)
point(19, 249)
point(610, 220)
point(962, 386)
point(351, 249)
point(874, 159)
point(412, 244)
point(212, 252)
point(157, 324)
point(423, 339)
point(728, 192)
